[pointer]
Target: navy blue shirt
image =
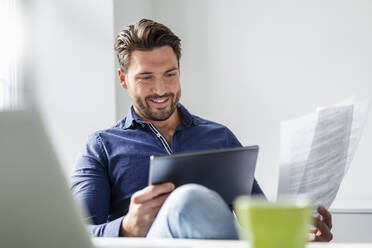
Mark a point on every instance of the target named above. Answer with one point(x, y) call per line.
point(114, 163)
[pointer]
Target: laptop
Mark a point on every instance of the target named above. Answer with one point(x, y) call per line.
point(229, 172)
point(36, 206)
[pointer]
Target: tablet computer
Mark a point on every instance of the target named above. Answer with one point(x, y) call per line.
point(229, 172)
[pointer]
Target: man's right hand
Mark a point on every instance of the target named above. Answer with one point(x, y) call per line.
point(144, 206)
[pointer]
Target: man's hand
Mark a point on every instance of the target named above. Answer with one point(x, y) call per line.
point(144, 206)
point(323, 224)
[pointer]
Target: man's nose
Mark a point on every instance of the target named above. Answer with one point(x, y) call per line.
point(159, 87)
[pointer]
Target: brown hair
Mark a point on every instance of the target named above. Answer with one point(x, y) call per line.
point(144, 35)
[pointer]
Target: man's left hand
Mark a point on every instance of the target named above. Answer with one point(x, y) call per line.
point(323, 226)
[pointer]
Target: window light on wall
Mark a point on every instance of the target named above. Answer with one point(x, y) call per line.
point(10, 46)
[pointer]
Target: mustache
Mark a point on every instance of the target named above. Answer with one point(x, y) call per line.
point(155, 96)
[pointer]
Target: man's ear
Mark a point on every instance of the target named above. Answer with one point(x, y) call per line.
point(122, 78)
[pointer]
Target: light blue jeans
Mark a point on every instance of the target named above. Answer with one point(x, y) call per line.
point(196, 212)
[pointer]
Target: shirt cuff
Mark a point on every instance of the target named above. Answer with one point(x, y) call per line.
point(113, 228)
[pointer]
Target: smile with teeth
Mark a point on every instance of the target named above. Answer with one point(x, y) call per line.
point(160, 102)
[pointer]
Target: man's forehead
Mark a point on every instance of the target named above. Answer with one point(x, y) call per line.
point(157, 59)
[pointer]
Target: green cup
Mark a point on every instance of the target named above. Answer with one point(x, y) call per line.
point(283, 224)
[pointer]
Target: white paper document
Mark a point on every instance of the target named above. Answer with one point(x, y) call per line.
point(316, 150)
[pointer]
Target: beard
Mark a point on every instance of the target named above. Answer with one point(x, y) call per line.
point(158, 114)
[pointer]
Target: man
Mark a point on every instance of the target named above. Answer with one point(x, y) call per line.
point(111, 174)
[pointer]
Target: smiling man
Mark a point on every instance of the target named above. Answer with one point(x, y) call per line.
point(154, 87)
point(111, 174)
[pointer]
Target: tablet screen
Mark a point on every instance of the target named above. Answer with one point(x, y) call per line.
point(229, 172)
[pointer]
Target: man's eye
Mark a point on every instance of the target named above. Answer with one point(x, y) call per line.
point(170, 74)
point(146, 78)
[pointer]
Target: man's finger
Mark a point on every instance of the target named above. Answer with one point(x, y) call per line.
point(151, 191)
point(156, 202)
point(320, 225)
point(321, 238)
point(327, 217)
point(323, 233)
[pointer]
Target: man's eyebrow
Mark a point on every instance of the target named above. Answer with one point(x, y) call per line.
point(143, 73)
point(149, 73)
point(173, 69)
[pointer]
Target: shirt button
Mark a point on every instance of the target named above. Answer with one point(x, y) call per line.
point(143, 125)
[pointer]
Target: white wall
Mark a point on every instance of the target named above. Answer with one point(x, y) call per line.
point(125, 13)
point(252, 64)
point(70, 67)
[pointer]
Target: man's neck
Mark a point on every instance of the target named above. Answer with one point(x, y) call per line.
point(166, 127)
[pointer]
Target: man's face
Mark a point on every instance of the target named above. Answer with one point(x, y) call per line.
point(152, 80)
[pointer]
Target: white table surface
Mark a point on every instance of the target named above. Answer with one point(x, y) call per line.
point(188, 243)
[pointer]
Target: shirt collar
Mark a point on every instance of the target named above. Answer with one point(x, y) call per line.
point(132, 118)
point(187, 119)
